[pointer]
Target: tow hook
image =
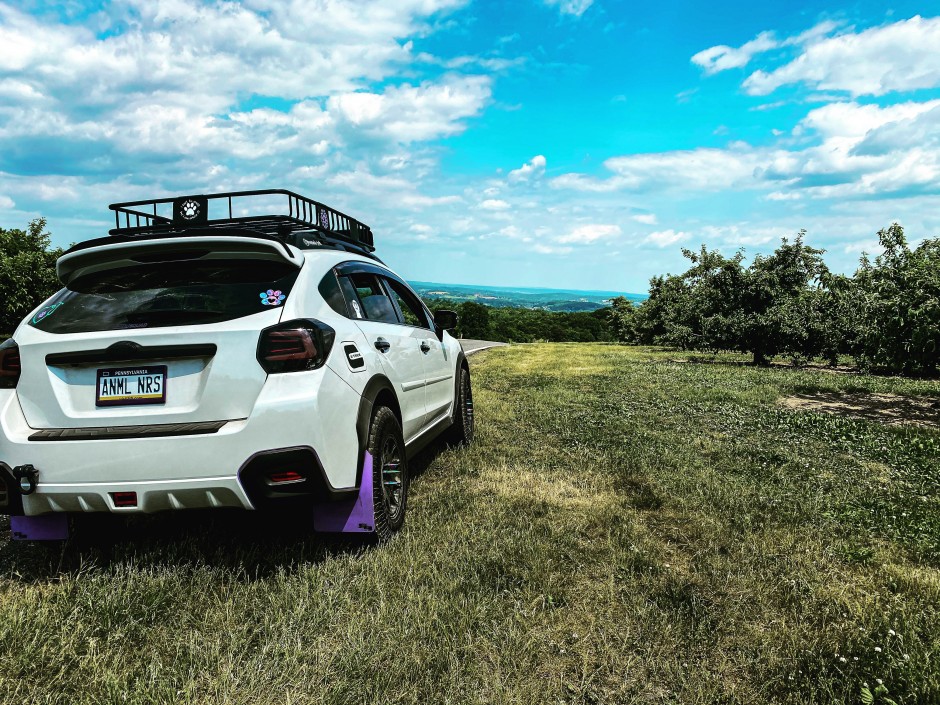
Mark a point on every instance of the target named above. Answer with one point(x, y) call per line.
point(28, 477)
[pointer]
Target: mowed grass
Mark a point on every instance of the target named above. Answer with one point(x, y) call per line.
point(626, 528)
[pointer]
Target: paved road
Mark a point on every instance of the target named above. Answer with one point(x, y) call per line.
point(475, 346)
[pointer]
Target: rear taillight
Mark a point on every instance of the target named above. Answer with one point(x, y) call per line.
point(9, 364)
point(295, 346)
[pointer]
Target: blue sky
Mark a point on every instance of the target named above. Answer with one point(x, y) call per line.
point(557, 143)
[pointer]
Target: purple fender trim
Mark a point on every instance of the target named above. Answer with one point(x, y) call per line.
point(46, 527)
point(351, 516)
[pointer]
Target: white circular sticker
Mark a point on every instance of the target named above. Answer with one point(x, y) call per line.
point(189, 209)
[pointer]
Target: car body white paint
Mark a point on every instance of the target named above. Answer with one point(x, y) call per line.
point(316, 408)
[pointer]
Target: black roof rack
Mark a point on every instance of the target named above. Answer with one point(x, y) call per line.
point(306, 224)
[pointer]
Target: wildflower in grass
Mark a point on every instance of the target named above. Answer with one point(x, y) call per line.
point(877, 649)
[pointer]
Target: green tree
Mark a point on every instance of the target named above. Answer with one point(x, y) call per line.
point(27, 271)
point(775, 301)
point(621, 318)
point(899, 297)
point(474, 320)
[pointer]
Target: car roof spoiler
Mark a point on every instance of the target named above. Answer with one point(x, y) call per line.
point(106, 253)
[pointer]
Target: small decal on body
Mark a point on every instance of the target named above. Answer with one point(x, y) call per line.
point(45, 312)
point(272, 297)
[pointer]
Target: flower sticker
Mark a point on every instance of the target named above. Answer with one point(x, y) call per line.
point(272, 297)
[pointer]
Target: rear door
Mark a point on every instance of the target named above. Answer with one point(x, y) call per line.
point(438, 369)
point(152, 333)
point(399, 346)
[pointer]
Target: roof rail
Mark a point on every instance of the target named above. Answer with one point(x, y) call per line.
point(307, 223)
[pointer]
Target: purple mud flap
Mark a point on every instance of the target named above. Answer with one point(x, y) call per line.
point(46, 527)
point(352, 516)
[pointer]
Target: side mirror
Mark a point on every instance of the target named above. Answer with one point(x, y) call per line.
point(445, 320)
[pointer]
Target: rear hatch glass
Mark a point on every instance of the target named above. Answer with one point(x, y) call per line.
point(161, 294)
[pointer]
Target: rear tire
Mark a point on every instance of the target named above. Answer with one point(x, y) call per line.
point(462, 429)
point(389, 473)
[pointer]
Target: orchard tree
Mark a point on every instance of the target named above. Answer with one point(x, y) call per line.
point(900, 300)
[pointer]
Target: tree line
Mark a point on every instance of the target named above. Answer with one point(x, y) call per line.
point(786, 304)
point(516, 324)
point(886, 316)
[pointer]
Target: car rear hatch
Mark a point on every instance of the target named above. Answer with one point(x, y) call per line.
point(154, 332)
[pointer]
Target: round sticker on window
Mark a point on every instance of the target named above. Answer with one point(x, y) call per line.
point(272, 297)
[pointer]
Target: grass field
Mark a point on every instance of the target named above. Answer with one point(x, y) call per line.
point(626, 529)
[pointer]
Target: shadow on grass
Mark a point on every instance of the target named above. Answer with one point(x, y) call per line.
point(890, 409)
point(249, 545)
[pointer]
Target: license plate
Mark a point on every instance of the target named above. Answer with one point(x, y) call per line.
point(131, 386)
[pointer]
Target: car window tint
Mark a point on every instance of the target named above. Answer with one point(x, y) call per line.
point(349, 293)
point(331, 293)
point(376, 306)
point(408, 303)
point(160, 294)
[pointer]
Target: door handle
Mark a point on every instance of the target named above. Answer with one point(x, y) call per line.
point(382, 345)
point(425, 348)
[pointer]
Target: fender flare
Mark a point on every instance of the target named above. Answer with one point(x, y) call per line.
point(373, 388)
point(461, 362)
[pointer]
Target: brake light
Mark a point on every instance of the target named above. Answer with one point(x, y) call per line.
point(9, 364)
point(295, 346)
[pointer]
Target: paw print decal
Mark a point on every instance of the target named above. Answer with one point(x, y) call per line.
point(272, 297)
point(189, 209)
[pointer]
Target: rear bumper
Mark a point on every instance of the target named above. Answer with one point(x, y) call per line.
point(152, 496)
point(189, 471)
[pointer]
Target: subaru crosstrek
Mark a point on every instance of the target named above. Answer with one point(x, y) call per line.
point(208, 358)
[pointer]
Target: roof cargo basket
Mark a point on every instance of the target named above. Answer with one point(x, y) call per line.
point(299, 221)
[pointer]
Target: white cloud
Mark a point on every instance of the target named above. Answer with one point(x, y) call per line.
point(550, 249)
point(703, 168)
point(722, 58)
point(168, 77)
point(495, 204)
point(646, 218)
point(570, 7)
point(903, 56)
point(7, 203)
point(408, 113)
point(532, 169)
point(664, 238)
point(590, 233)
point(849, 151)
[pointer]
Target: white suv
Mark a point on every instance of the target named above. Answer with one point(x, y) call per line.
point(233, 361)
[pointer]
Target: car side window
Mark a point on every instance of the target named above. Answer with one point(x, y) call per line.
point(411, 309)
point(376, 306)
point(349, 293)
point(331, 293)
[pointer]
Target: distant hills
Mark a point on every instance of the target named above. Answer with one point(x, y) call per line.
point(503, 296)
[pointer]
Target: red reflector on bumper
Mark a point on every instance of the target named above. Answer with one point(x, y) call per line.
point(124, 499)
point(283, 478)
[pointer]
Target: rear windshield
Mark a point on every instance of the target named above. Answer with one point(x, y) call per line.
point(167, 294)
